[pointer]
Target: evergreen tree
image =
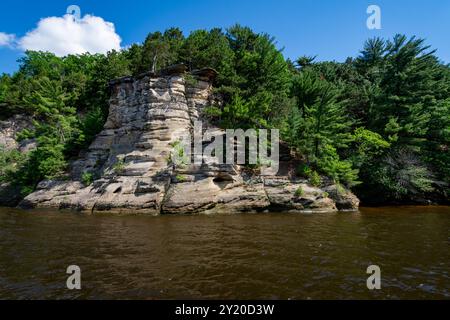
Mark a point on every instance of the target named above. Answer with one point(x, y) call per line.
point(161, 50)
point(209, 49)
point(321, 126)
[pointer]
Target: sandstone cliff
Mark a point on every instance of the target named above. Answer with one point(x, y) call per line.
point(10, 195)
point(9, 129)
point(131, 172)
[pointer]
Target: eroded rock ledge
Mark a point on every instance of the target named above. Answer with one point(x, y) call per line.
point(129, 161)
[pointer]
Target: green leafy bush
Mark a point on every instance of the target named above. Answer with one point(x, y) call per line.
point(119, 166)
point(315, 179)
point(299, 192)
point(181, 178)
point(10, 162)
point(303, 170)
point(178, 155)
point(403, 175)
point(87, 178)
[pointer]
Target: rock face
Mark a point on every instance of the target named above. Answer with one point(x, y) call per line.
point(9, 194)
point(9, 130)
point(130, 168)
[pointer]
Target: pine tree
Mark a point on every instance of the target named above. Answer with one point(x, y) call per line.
point(161, 50)
point(408, 107)
point(322, 126)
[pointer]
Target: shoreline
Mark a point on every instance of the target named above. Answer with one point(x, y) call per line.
point(130, 213)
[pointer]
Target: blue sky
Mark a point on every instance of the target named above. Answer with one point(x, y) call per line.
point(330, 29)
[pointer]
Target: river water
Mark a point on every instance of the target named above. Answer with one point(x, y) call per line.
point(245, 256)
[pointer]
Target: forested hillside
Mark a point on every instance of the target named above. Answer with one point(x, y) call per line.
point(378, 123)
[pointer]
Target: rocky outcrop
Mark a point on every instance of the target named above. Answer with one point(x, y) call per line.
point(10, 195)
point(344, 199)
point(128, 169)
point(297, 195)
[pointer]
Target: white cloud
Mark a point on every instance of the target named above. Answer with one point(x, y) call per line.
point(6, 39)
point(67, 35)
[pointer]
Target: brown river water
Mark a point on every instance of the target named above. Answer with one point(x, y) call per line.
point(244, 256)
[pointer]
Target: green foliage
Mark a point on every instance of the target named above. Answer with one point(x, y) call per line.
point(89, 126)
point(209, 49)
point(404, 175)
point(87, 178)
point(303, 170)
point(299, 192)
point(181, 178)
point(119, 166)
point(6, 96)
point(319, 127)
point(160, 50)
point(341, 191)
point(393, 97)
point(369, 145)
point(341, 171)
point(315, 179)
point(212, 113)
point(10, 161)
point(409, 109)
point(67, 99)
point(178, 156)
point(190, 80)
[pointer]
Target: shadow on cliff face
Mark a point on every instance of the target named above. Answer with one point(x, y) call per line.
point(10, 195)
